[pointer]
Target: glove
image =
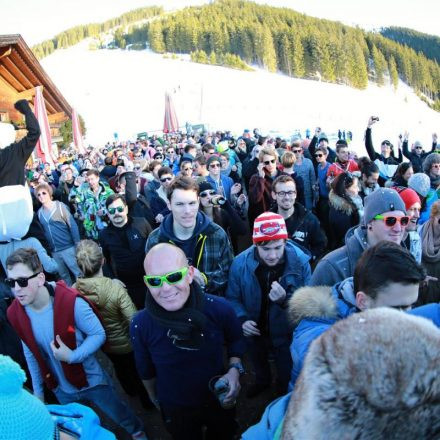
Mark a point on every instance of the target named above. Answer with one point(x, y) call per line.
point(22, 106)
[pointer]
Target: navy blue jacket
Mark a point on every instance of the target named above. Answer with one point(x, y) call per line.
point(244, 293)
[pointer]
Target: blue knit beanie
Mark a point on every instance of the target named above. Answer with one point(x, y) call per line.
point(22, 415)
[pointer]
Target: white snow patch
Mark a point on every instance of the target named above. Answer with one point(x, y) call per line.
point(123, 92)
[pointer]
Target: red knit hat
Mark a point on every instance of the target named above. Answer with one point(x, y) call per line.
point(409, 197)
point(269, 226)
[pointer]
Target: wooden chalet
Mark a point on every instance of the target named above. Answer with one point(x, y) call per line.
point(20, 73)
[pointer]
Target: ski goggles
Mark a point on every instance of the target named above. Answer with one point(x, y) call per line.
point(174, 277)
point(390, 221)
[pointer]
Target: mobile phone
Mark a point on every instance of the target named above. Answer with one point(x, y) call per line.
point(375, 118)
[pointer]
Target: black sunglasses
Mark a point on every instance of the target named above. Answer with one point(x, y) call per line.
point(22, 281)
point(296, 151)
point(204, 194)
point(319, 155)
point(166, 179)
point(268, 162)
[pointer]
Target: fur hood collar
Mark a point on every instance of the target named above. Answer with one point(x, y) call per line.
point(313, 302)
point(339, 203)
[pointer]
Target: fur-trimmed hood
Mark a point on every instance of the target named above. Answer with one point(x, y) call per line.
point(312, 302)
point(374, 375)
point(339, 203)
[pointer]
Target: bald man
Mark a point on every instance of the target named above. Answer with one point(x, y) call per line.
point(178, 343)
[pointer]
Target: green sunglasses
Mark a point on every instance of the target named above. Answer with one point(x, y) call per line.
point(112, 211)
point(174, 277)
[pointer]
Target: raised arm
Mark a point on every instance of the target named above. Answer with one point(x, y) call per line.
point(368, 140)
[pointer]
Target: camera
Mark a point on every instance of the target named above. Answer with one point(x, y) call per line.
point(375, 118)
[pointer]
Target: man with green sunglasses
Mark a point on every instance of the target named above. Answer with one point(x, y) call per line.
point(178, 342)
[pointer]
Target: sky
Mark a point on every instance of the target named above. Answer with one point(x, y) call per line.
point(38, 20)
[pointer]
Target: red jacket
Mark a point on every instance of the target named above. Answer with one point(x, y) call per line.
point(337, 168)
point(63, 325)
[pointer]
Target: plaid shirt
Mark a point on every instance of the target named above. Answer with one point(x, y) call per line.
point(213, 255)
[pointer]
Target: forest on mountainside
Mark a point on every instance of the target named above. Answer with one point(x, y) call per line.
point(280, 39)
point(429, 45)
point(74, 35)
point(283, 40)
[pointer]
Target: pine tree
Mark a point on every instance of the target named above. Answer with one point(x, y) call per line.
point(380, 65)
point(298, 68)
point(155, 37)
point(357, 71)
point(394, 76)
point(212, 58)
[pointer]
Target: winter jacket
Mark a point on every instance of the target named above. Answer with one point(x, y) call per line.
point(337, 168)
point(342, 217)
point(315, 309)
point(124, 248)
point(209, 249)
point(416, 159)
point(115, 307)
point(88, 204)
point(387, 165)
point(312, 150)
point(307, 172)
point(226, 184)
point(244, 292)
point(304, 229)
point(59, 227)
point(339, 264)
point(260, 194)
point(271, 423)
point(14, 157)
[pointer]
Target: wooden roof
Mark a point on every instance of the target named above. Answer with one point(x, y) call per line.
point(20, 70)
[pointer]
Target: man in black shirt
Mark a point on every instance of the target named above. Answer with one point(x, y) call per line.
point(123, 245)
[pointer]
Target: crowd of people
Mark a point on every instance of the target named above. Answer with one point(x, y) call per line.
point(183, 258)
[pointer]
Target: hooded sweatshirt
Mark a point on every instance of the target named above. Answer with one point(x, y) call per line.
point(188, 246)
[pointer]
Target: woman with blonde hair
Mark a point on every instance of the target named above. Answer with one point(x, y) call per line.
point(430, 234)
point(116, 309)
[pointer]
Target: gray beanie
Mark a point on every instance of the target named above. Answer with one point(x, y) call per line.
point(429, 161)
point(420, 183)
point(380, 201)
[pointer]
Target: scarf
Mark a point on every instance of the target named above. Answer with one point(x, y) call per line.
point(431, 241)
point(435, 181)
point(185, 326)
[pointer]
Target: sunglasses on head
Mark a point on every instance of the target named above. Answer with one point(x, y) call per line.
point(268, 162)
point(165, 179)
point(207, 193)
point(22, 281)
point(174, 277)
point(390, 221)
point(112, 211)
